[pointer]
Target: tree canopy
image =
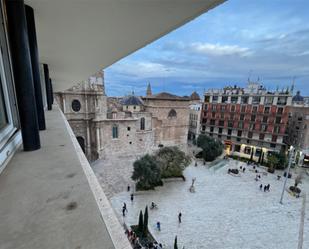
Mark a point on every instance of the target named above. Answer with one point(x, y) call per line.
point(172, 161)
point(211, 148)
point(147, 173)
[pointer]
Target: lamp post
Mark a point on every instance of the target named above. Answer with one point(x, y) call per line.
point(291, 154)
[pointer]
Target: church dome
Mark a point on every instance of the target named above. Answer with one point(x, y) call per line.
point(132, 100)
point(195, 96)
point(298, 97)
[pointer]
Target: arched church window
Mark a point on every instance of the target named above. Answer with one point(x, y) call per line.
point(76, 105)
point(115, 131)
point(172, 114)
point(142, 123)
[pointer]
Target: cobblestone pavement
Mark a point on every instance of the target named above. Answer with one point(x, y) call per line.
point(114, 174)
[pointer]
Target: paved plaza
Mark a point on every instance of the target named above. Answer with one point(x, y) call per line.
point(224, 212)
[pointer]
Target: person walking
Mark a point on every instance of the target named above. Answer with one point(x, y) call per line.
point(128, 188)
point(261, 186)
point(123, 211)
point(159, 226)
point(179, 217)
point(132, 197)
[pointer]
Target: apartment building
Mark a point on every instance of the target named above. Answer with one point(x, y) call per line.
point(250, 121)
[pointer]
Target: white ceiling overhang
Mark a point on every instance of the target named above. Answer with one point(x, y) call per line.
point(76, 38)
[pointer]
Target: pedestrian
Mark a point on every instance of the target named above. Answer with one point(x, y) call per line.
point(159, 226)
point(240, 167)
point(179, 217)
point(128, 188)
point(243, 170)
point(132, 197)
point(265, 188)
point(268, 187)
point(261, 186)
point(125, 207)
point(123, 211)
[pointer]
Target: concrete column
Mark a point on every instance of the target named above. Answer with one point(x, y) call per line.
point(35, 66)
point(22, 69)
point(98, 138)
point(48, 87)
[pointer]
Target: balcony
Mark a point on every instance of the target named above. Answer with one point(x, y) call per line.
point(50, 198)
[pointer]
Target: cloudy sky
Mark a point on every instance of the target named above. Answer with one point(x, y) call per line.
point(265, 40)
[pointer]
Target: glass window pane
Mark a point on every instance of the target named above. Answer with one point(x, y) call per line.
point(3, 114)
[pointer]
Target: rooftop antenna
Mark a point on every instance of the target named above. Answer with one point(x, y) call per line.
point(293, 84)
point(249, 75)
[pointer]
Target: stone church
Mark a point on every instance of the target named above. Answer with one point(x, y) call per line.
point(119, 126)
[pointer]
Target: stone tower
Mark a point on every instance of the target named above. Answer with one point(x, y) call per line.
point(149, 92)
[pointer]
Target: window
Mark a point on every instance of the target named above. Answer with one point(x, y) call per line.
point(128, 128)
point(207, 99)
point(277, 129)
point(211, 129)
point(254, 109)
point(278, 120)
point(263, 127)
point(256, 99)
point(239, 133)
point(230, 124)
point(266, 110)
point(252, 126)
point(229, 131)
point(212, 122)
point(143, 123)
point(280, 110)
point(242, 116)
point(234, 99)
point(222, 107)
point(253, 118)
point(265, 119)
point(213, 115)
point(250, 134)
point(237, 148)
point(224, 99)
point(115, 131)
point(7, 110)
point(240, 124)
point(203, 128)
point(221, 122)
point(261, 136)
point(220, 130)
point(214, 98)
point(274, 138)
point(213, 107)
point(205, 107)
point(269, 100)
point(222, 115)
point(282, 101)
point(244, 99)
point(172, 114)
point(258, 152)
point(76, 105)
point(273, 145)
point(243, 108)
point(232, 108)
point(247, 150)
point(134, 107)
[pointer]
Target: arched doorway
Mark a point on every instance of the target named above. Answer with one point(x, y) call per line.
point(81, 142)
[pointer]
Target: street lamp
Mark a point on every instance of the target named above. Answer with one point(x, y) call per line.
point(291, 155)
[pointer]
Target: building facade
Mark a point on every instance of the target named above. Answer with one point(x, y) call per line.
point(194, 116)
point(249, 121)
point(130, 125)
point(298, 127)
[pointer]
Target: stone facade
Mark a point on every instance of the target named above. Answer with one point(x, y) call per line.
point(130, 125)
